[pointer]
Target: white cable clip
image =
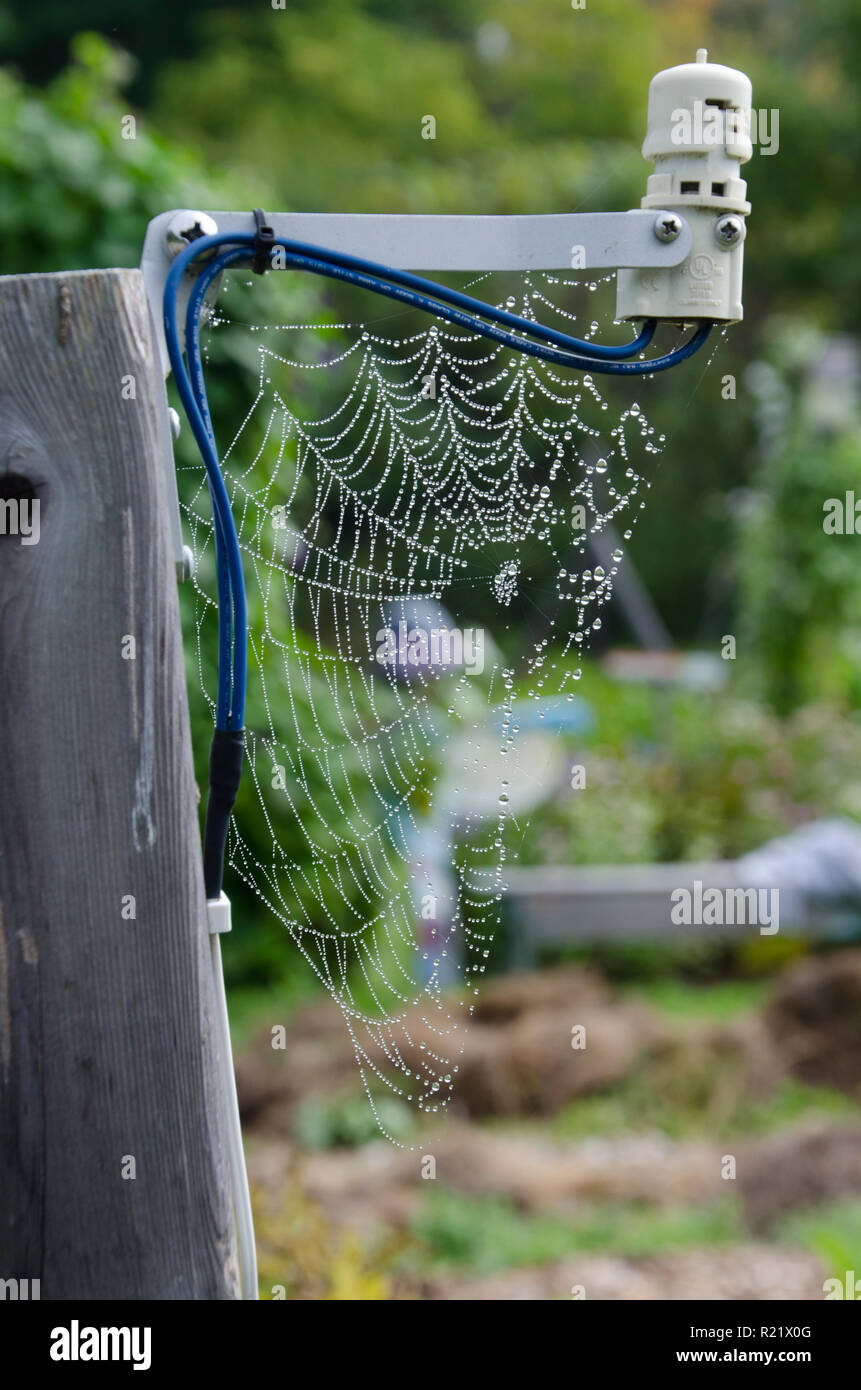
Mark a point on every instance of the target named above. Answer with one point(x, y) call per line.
point(218, 912)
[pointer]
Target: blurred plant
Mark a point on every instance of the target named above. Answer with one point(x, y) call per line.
point(515, 127)
point(300, 1252)
point(687, 1101)
point(74, 193)
point(799, 587)
point(832, 1230)
point(728, 774)
point(488, 1234)
point(327, 1122)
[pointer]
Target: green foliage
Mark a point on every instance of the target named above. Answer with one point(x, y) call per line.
point(689, 776)
point(74, 193)
point(489, 1234)
point(348, 1121)
point(545, 121)
point(37, 38)
point(832, 1230)
point(800, 597)
point(300, 1252)
point(686, 1102)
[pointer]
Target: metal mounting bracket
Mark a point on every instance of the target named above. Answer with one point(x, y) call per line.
point(579, 242)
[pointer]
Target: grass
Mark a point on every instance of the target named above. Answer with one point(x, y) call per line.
point(682, 1109)
point(483, 1235)
point(476, 1236)
point(832, 1231)
point(679, 1001)
point(328, 1122)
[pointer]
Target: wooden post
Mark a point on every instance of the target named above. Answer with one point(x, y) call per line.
point(113, 1171)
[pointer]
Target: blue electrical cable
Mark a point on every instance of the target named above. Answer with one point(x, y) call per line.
point(231, 588)
point(451, 305)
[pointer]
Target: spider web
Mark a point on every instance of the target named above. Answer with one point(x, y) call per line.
point(411, 500)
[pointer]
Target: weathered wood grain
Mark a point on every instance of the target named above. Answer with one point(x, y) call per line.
point(106, 1038)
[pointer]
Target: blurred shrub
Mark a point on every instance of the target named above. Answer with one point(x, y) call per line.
point(327, 1122)
point(799, 604)
point(832, 1230)
point(300, 1252)
point(489, 1234)
point(74, 193)
point(727, 775)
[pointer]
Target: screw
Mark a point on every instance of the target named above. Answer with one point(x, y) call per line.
point(729, 231)
point(668, 226)
point(185, 227)
point(175, 422)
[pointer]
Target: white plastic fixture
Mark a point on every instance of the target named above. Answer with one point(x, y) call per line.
point(698, 137)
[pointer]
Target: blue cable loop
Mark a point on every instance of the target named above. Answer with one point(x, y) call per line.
point(232, 635)
point(522, 335)
point(228, 542)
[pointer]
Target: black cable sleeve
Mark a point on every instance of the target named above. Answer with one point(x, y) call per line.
point(264, 243)
point(226, 756)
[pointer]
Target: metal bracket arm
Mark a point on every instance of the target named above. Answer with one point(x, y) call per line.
point(579, 241)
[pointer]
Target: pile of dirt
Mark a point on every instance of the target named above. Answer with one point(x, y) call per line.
point(761, 1272)
point(814, 1021)
point(316, 1059)
point(518, 1058)
point(376, 1183)
point(506, 998)
point(519, 1062)
point(799, 1168)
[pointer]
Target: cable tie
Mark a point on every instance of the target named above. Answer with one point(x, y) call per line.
point(264, 242)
